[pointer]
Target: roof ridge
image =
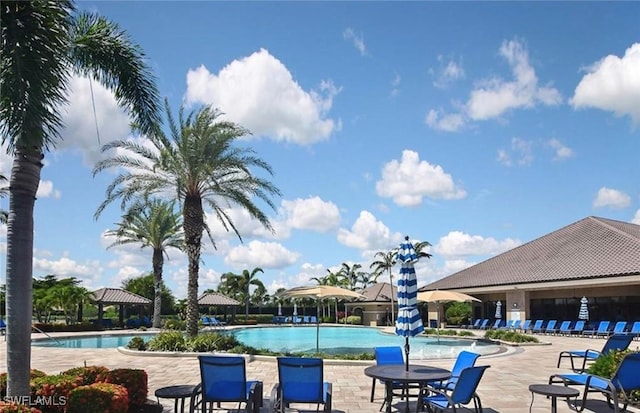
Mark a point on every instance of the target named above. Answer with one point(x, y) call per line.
point(606, 222)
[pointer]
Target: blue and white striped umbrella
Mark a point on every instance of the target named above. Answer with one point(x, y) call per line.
point(499, 309)
point(409, 322)
point(584, 309)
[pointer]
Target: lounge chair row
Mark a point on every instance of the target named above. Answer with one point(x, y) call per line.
point(616, 388)
point(278, 319)
point(212, 322)
point(566, 327)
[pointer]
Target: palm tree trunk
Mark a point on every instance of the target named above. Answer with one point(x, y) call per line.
point(25, 178)
point(193, 226)
point(158, 260)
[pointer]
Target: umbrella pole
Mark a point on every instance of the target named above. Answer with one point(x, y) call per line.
point(406, 352)
point(318, 327)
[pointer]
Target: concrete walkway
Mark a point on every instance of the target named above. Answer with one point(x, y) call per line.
point(504, 387)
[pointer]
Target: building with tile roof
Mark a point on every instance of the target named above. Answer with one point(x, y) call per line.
point(597, 258)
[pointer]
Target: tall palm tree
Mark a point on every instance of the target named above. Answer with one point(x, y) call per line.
point(43, 44)
point(155, 224)
point(350, 274)
point(199, 162)
point(419, 247)
point(385, 262)
point(247, 279)
point(4, 191)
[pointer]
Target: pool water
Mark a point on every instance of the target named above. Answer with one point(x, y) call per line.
point(103, 341)
point(354, 340)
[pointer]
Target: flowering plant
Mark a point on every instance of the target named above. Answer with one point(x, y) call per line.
point(7, 407)
point(89, 374)
point(54, 391)
point(99, 398)
point(135, 381)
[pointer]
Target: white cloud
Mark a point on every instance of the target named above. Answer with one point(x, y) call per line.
point(367, 233)
point(447, 73)
point(611, 198)
point(246, 225)
point(409, 180)
point(561, 151)
point(495, 96)
point(636, 218)
point(612, 84)
point(520, 153)
point(79, 132)
point(447, 122)
point(459, 244)
point(356, 39)
point(259, 93)
point(64, 267)
point(45, 190)
point(261, 254)
point(311, 214)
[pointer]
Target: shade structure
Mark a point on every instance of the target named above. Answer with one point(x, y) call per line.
point(318, 292)
point(279, 308)
point(409, 322)
point(295, 309)
point(584, 309)
point(443, 296)
point(214, 299)
point(116, 296)
point(499, 309)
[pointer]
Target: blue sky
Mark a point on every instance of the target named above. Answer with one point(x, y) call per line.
point(476, 126)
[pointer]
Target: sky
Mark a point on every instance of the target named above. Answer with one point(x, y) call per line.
point(475, 126)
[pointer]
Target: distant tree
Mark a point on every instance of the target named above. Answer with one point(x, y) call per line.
point(238, 286)
point(145, 286)
point(419, 247)
point(385, 261)
point(350, 274)
point(155, 224)
point(51, 294)
point(201, 163)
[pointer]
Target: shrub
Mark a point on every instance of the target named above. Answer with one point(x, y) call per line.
point(510, 336)
point(137, 343)
point(174, 324)
point(465, 333)
point(457, 313)
point(205, 342)
point(168, 341)
point(55, 389)
point(88, 374)
point(607, 364)
point(3, 381)
point(8, 407)
point(134, 380)
point(99, 398)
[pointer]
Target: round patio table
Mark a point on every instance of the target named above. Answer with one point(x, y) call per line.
point(553, 392)
point(179, 393)
point(390, 373)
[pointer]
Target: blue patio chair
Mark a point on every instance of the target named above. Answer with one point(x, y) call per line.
point(214, 322)
point(551, 327)
point(205, 321)
point(313, 320)
point(475, 324)
point(508, 325)
point(388, 355)
point(300, 381)
point(578, 328)
point(617, 342)
point(537, 326)
point(619, 327)
point(635, 329)
point(3, 326)
point(484, 324)
point(565, 328)
point(603, 329)
point(306, 319)
point(526, 326)
point(516, 325)
point(496, 324)
point(623, 381)
point(224, 379)
point(464, 360)
point(463, 392)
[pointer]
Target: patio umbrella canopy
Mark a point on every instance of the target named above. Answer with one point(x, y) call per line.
point(443, 296)
point(319, 292)
point(584, 309)
point(498, 309)
point(409, 322)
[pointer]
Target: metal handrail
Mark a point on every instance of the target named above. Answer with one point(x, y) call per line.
point(46, 334)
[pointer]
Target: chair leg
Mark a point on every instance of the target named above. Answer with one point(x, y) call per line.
point(373, 389)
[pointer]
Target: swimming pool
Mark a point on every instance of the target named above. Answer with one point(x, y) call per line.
point(302, 339)
point(354, 340)
point(102, 341)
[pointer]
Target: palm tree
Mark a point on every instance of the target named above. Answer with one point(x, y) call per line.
point(43, 44)
point(4, 191)
point(350, 274)
point(156, 224)
point(419, 247)
point(385, 262)
point(200, 163)
point(247, 279)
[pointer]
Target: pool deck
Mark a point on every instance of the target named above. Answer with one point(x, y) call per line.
point(504, 387)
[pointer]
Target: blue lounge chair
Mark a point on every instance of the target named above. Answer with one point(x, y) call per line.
point(300, 381)
point(619, 327)
point(603, 329)
point(508, 325)
point(214, 322)
point(635, 329)
point(223, 379)
point(537, 327)
point(313, 320)
point(463, 392)
point(476, 324)
point(516, 325)
point(464, 360)
point(615, 342)
point(526, 326)
point(306, 319)
point(578, 328)
point(205, 321)
point(3, 326)
point(565, 328)
point(497, 323)
point(551, 327)
point(623, 381)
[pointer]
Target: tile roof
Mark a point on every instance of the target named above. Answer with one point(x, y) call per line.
point(118, 296)
point(590, 248)
point(379, 292)
point(216, 299)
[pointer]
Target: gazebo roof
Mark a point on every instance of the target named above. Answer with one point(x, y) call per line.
point(117, 296)
point(216, 299)
point(379, 292)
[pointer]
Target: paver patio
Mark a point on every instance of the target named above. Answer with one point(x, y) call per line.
point(504, 388)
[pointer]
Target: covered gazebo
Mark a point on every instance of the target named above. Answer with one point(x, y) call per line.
point(119, 297)
point(214, 299)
